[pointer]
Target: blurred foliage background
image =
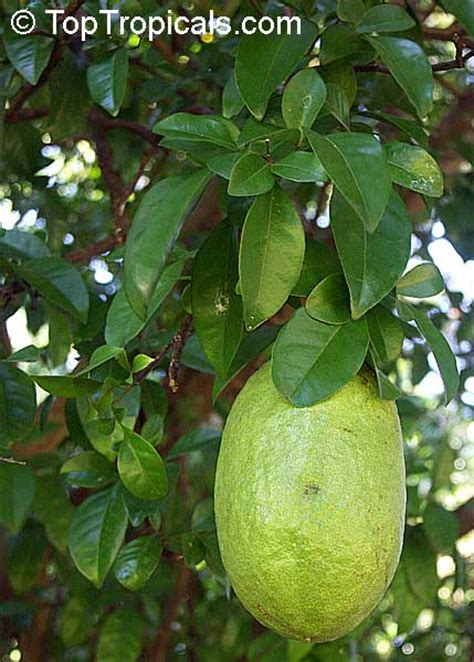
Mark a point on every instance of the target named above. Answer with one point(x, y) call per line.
point(71, 176)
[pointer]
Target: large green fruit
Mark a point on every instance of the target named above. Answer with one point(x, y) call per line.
point(310, 506)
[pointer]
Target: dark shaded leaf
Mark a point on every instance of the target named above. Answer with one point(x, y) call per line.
point(217, 309)
point(372, 263)
point(17, 487)
point(329, 301)
point(107, 80)
point(17, 404)
point(137, 561)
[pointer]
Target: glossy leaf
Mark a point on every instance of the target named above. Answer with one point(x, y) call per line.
point(137, 561)
point(372, 263)
point(17, 487)
point(319, 261)
point(140, 467)
point(193, 441)
point(59, 282)
point(217, 309)
point(96, 533)
point(271, 255)
point(410, 67)
point(264, 61)
point(329, 301)
point(201, 128)
point(423, 281)
point(122, 323)
point(88, 469)
point(121, 636)
point(385, 18)
point(251, 175)
point(107, 80)
point(17, 404)
point(104, 354)
point(385, 334)
point(154, 231)
point(303, 98)
point(414, 168)
point(29, 54)
point(300, 167)
point(312, 360)
point(354, 161)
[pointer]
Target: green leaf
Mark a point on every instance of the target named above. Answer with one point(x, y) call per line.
point(25, 558)
point(79, 616)
point(303, 98)
point(222, 165)
point(387, 389)
point(415, 582)
point(354, 161)
point(217, 309)
point(67, 387)
point(385, 18)
point(232, 102)
point(88, 469)
point(194, 441)
point(107, 80)
point(414, 168)
point(441, 526)
point(443, 353)
point(463, 10)
point(103, 355)
point(312, 360)
point(199, 128)
point(410, 67)
point(17, 404)
point(17, 487)
point(350, 10)
point(271, 255)
point(29, 354)
point(59, 282)
point(338, 42)
point(153, 429)
point(385, 334)
point(411, 128)
point(300, 167)
point(20, 244)
point(251, 175)
point(122, 323)
point(121, 637)
point(154, 231)
point(319, 261)
point(254, 131)
point(252, 346)
point(372, 263)
point(29, 54)
point(329, 301)
point(96, 533)
point(337, 104)
point(422, 282)
point(54, 510)
point(137, 561)
point(264, 61)
point(140, 467)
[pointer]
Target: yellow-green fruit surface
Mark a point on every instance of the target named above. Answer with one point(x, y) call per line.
point(310, 506)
